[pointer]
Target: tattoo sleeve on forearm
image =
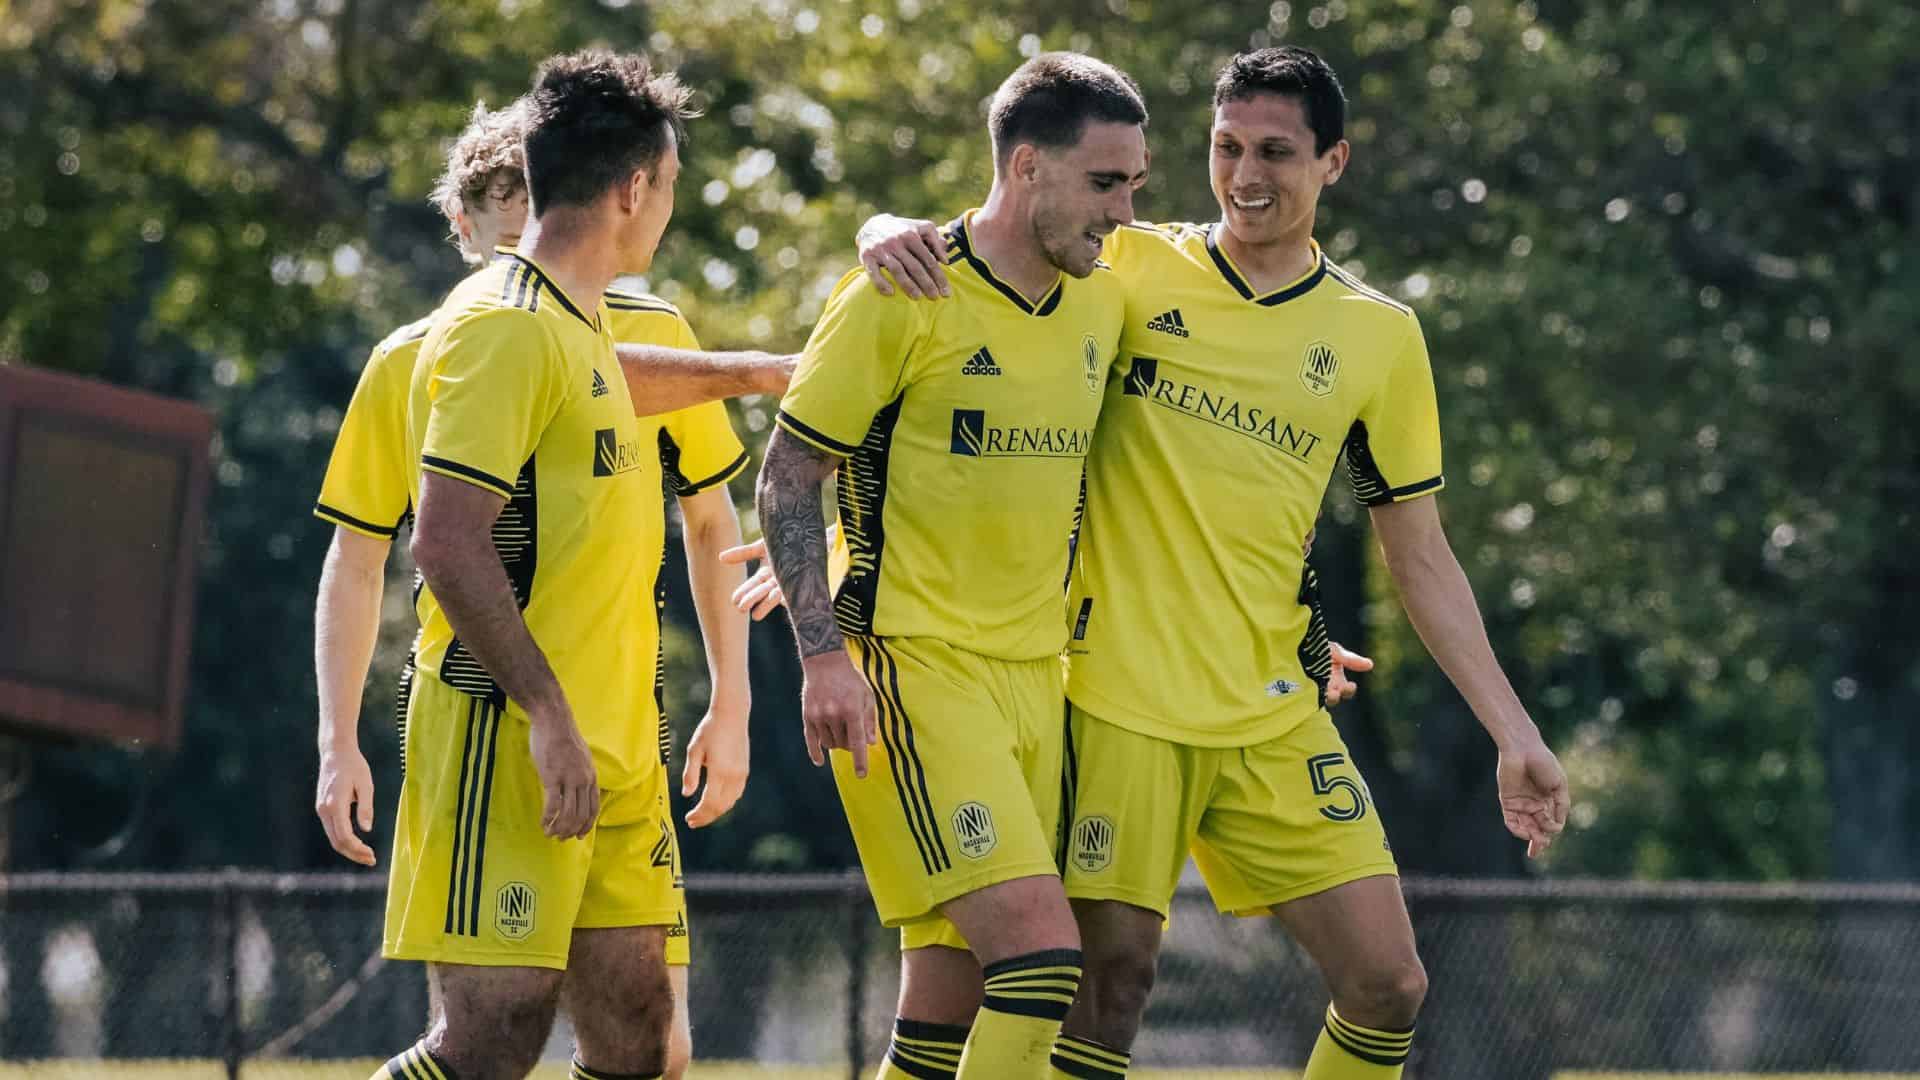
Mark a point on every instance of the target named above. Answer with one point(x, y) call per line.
point(788, 498)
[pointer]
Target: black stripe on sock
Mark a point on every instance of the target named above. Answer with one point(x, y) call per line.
point(1082, 1070)
point(1370, 1056)
point(1043, 959)
point(917, 1070)
point(931, 1032)
point(584, 1073)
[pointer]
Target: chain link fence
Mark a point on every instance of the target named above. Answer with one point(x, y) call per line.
point(1528, 979)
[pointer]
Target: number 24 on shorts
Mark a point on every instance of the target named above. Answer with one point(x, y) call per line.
point(1349, 792)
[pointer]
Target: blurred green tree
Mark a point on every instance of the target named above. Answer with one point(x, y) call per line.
point(1664, 261)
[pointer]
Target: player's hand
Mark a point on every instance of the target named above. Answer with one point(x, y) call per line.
point(760, 593)
point(1306, 546)
point(836, 709)
point(567, 776)
point(343, 800)
point(1339, 687)
point(910, 249)
point(720, 747)
point(1533, 794)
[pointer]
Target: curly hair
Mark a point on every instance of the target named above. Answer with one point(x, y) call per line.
point(484, 161)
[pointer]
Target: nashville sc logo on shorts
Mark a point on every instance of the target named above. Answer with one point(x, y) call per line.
point(973, 824)
point(1092, 849)
point(513, 908)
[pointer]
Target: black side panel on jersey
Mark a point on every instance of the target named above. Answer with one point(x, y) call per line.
point(402, 695)
point(672, 480)
point(660, 654)
point(862, 498)
point(515, 535)
point(1363, 473)
point(1316, 655)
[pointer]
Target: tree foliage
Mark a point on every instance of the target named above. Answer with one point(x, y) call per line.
point(1664, 259)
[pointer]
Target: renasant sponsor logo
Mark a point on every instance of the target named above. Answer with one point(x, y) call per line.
point(973, 436)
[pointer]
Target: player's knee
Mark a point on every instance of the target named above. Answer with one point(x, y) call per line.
point(1118, 982)
point(629, 1031)
point(1387, 997)
point(506, 1042)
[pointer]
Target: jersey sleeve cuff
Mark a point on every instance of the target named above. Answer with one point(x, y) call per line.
point(813, 437)
point(1428, 486)
point(683, 487)
point(471, 475)
point(353, 524)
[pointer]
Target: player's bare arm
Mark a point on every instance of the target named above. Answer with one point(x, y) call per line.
point(453, 547)
point(719, 746)
point(346, 624)
point(1439, 602)
point(661, 380)
point(836, 705)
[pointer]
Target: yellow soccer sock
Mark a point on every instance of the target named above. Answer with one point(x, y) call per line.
point(1027, 997)
point(1084, 1059)
point(416, 1062)
point(581, 1072)
point(1347, 1051)
point(923, 1051)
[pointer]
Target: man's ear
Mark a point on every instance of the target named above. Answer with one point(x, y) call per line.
point(1024, 163)
point(1336, 161)
point(634, 192)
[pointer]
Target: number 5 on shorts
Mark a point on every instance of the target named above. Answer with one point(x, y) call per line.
point(1354, 806)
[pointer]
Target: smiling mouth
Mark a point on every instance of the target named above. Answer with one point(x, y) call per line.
point(1251, 205)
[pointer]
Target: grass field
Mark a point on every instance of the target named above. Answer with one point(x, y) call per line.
point(718, 1070)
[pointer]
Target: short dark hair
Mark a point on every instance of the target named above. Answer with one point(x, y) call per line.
point(1291, 71)
point(1050, 100)
point(593, 117)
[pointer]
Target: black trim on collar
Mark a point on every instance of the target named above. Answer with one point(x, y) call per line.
point(964, 244)
point(543, 279)
point(1225, 266)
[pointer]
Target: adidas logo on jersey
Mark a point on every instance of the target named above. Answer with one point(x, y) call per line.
point(1169, 322)
point(980, 363)
point(599, 385)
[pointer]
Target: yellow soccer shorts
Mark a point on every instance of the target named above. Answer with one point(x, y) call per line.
point(964, 788)
point(1265, 824)
point(474, 879)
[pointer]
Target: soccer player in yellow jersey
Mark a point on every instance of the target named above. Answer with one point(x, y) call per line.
point(958, 434)
point(525, 868)
point(483, 195)
point(1249, 362)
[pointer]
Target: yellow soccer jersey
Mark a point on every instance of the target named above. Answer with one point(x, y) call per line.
point(964, 425)
point(518, 391)
point(365, 488)
point(1193, 614)
point(697, 449)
